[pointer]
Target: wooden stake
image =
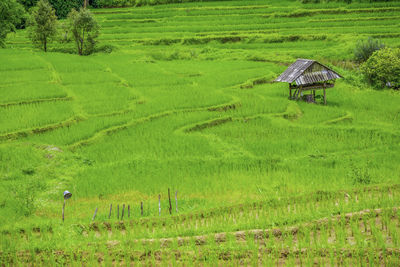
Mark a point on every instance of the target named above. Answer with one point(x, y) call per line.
point(176, 201)
point(159, 205)
point(170, 206)
point(129, 211)
point(63, 210)
point(324, 95)
point(109, 214)
point(118, 211)
point(123, 209)
point(94, 216)
point(141, 208)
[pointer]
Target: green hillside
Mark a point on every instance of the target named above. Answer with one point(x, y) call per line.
point(180, 97)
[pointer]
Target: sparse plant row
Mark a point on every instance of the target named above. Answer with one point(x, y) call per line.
point(220, 256)
point(366, 222)
point(340, 236)
point(259, 215)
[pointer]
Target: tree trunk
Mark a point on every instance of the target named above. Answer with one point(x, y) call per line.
point(45, 45)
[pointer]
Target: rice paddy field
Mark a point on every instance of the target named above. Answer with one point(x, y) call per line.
point(185, 101)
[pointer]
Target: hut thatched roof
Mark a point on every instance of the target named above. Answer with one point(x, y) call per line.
point(307, 71)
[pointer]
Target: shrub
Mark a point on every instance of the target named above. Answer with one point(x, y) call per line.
point(383, 68)
point(365, 48)
point(43, 24)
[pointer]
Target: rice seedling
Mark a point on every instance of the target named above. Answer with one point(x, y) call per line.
point(186, 101)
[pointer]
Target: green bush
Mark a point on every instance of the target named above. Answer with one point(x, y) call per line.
point(383, 68)
point(365, 48)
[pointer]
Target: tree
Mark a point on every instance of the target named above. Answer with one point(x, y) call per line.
point(84, 29)
point(11, 14)
point(43, 24)
point(383, 68)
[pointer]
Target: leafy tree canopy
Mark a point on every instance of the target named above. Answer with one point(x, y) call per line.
point(84, 29)
point(11, 14)
point(43, 24)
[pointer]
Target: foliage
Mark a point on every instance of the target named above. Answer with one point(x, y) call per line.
point(43, 24)
point(62, 7)
point(84, 29)
point(345, 1)
point(365, 48)
point(11, 14)
point(383, 68)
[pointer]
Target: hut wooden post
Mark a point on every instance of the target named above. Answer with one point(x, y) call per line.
point(314, 95)
point(324, 95)
point(299, 92)
point(290, 91)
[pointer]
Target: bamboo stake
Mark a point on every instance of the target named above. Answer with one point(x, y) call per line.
point(176, 201)
point(159, 205)
point(129, 211)
point(118, 211)
point(123, 209)
point(94, 216)
point(170, 206)
point(109, 214)
point(63, 211)
point(141, 208)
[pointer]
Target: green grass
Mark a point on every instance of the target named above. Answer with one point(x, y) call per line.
point(185, 101)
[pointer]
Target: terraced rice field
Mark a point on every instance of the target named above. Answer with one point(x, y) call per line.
point(186, 101)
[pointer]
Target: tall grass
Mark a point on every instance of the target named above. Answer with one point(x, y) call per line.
point(186, 102)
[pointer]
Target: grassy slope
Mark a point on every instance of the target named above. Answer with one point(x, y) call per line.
point(176, 106)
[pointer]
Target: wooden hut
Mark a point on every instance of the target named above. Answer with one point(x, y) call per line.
point(305, 76)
